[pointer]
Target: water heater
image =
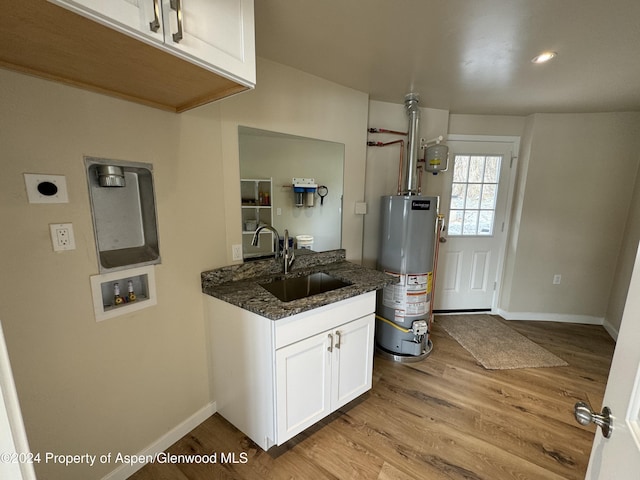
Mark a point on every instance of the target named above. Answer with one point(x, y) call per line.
point(406, 247)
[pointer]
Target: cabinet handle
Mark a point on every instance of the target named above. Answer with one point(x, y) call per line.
point(177, 6)
point(339, 338)
point(330, 347)
point(155, 25)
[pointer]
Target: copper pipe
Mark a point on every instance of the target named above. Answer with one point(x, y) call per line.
point(439, 228)
point(401, 142)
point(384, 130)
point(420, 180)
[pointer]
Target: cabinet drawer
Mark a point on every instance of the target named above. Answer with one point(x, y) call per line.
point(304, 325)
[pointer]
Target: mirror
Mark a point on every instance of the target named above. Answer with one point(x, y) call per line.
point(268, 163)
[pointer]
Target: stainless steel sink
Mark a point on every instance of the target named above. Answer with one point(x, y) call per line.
point(294, 288)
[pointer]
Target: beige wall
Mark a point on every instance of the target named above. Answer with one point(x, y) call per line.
point(119, 385)
point(576, 179)
point(624, 267)
point(522, 166)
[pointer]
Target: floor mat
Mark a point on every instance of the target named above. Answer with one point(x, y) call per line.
point(495, 345)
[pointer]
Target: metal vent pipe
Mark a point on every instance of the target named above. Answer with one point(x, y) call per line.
point(413, 142)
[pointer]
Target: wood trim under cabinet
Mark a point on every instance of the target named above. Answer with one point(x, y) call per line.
point(44, 40)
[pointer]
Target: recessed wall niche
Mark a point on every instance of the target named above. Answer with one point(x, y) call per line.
point(120, 292)
point(123, 208)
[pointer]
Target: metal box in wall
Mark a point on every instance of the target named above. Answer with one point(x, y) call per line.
point(123, 208)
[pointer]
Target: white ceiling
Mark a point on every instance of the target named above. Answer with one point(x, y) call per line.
point(465, 56)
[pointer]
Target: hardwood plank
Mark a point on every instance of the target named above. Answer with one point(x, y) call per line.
point(389, 472)
point(443, 418)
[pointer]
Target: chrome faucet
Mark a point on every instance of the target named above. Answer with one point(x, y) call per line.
point(255, 241)
point(288, 256)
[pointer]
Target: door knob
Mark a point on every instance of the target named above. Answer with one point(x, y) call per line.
point(584, 416)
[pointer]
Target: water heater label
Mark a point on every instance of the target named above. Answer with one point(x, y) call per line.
point(420, 204)
point(410, 295)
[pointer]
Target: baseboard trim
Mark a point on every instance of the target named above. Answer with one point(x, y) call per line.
point(611, 330)
point(161, 444)
point(550, 317)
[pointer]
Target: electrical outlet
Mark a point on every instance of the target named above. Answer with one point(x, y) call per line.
point(62, 237)
point(236, 252)
point(557, 278)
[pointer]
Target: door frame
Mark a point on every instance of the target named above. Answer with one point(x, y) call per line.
point(15, 436)
point(514, 140)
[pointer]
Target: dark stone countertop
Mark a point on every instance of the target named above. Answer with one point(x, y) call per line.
point(239, 284)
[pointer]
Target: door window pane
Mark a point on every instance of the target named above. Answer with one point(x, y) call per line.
point(474, 193)
point(458, 195)
point(488, 197)
point(455, 222)
point(476, 169)
point(492, 170)
point(473, 196)
point(485, 222)
point(470, 225)
point(461, 169)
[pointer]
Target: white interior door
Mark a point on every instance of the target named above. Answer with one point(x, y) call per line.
point(618, 457)
point(475, 207)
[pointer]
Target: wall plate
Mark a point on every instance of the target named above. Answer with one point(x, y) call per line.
point(42, 188)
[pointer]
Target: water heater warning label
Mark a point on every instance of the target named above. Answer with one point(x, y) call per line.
point(410, 295)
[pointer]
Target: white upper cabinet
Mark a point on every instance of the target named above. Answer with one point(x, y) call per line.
point(214, 34)
point(139, 18)
point(219, 33)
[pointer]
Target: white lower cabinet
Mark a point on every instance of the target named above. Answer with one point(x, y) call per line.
point(318, 375)
point(272, 379)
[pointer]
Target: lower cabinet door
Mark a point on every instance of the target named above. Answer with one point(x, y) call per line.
point(303, 385)
point(352, 364)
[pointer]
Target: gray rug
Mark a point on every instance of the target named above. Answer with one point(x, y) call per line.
point(495, 345)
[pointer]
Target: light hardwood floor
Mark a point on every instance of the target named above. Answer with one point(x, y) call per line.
point(443, 418)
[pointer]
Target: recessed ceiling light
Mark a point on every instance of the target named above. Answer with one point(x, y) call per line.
point(543, 57)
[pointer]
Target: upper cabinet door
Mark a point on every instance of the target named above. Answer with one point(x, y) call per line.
point(214, 32)
point(141, 19)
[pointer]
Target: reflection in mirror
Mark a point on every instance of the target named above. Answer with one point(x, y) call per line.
point(268, 163)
